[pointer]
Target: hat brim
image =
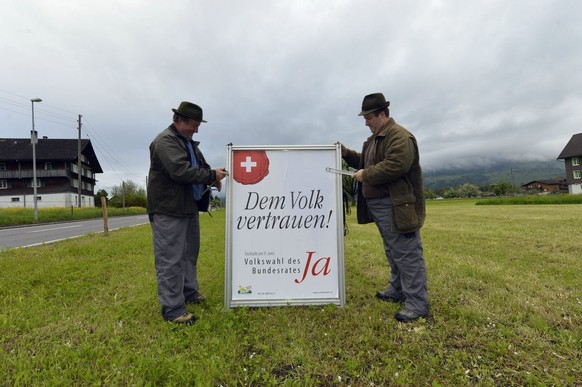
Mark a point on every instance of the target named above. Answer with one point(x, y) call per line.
point(365, 112)
point(192, 118)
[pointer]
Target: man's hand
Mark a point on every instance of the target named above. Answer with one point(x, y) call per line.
point(359, 175)
point(344, 150)
point(221, 173)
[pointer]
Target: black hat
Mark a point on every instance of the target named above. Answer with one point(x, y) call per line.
point(190, 110)
point(373, 102)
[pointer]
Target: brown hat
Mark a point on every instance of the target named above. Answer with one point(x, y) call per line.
point(373, 102)
point(190, 110)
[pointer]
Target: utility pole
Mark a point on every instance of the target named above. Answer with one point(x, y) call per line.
point(34, 140)
point(123, 195)
point(79, 161)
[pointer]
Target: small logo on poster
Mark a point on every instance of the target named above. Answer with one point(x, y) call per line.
point(245, 290)
point(250, 166)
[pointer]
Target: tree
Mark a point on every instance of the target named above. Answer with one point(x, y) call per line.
point(468, 191)
point(129, 194)
point(98, 196)
point(451, 193)
point(502, 188)
point(215, 202)
point(430, 194)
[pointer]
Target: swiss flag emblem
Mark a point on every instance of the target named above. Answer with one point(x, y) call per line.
point(250, 166)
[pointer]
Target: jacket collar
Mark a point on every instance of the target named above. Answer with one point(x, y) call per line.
point(384, 131)
point(389, 124)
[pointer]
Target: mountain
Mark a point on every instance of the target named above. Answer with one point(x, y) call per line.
point(515, 172)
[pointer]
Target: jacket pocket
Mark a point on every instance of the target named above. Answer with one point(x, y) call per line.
point(404, 213)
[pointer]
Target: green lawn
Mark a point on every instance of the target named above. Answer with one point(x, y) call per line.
point(504, 283)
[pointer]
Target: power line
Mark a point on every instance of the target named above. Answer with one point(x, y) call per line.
point(41, 111)
point(110, 156)
point(16, 95)
point(26, 108)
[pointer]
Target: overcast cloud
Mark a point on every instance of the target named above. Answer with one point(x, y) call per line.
point(475, 81)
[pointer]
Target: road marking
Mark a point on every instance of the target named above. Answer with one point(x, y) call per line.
point(51, 229)
point(120, 225)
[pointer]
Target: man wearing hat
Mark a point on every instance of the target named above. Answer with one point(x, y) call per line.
point(390, 193)
point(177, 191)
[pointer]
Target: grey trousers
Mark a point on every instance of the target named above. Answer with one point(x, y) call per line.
point(176, 246)
point(405, 256)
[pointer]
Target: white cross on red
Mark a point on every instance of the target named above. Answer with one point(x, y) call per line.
point(248, 164)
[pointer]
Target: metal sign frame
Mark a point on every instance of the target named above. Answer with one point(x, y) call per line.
point(231, 255)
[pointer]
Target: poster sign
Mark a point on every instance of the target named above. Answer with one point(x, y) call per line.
point(284, 227)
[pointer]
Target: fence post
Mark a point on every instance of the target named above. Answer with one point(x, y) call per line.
point(104, 207)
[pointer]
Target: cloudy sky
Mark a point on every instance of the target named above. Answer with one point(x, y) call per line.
point(474, 80)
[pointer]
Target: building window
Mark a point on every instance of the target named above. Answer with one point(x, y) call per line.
point(48, 165)
point(29, 183)
point(575, 161)
point(3, 184)
point(2, 166)
point(15, 199)
point(576, 174)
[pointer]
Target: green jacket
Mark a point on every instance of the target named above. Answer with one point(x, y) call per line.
point(171, 176)
point(397, 171)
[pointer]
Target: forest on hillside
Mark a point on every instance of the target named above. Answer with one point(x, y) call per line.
point(516, 173)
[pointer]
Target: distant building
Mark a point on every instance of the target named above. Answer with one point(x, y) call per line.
point(56, 173)
point(572, 156)
point(546, 186)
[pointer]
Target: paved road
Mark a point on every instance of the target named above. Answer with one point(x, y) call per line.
point(46, 233)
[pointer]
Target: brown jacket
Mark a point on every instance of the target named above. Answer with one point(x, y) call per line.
point(397, 171)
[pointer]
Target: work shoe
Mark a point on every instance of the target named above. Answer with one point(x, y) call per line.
point(382, 295)
point(186, 319)
point(198, 300)
point(407, 316)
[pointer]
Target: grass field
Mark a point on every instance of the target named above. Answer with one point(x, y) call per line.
point(504, 283)
point(533, 199)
